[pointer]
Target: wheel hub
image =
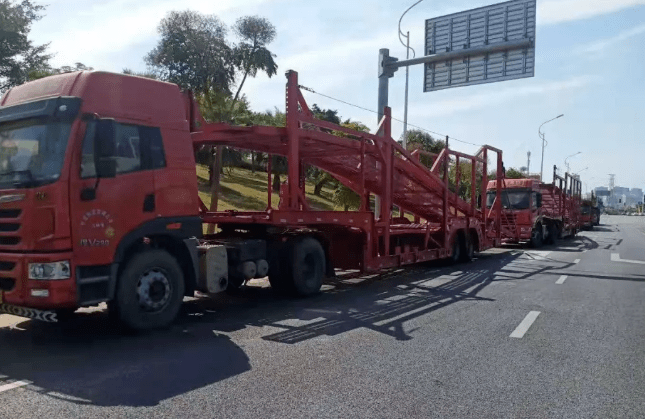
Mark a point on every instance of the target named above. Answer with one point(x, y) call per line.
point(153, 290)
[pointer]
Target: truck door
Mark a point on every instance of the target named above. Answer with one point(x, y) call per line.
point(100, 219)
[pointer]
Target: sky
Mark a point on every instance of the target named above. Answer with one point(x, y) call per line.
point(590, 66)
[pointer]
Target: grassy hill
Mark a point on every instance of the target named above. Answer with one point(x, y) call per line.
point(242, 190)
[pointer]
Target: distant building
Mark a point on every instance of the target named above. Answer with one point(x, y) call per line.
point(620, 197)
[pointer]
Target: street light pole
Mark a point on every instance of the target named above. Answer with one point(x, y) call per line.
point(567, 164)
point(405, 109)
point(541, 135)
point(580, 171)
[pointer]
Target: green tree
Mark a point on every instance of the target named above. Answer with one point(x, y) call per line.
point(418, 139)
point(251, 54)
point(193, 53)
point(147, 74)
point(328, 115)
point(318, 176)
point(513, 173)
point(46, 72)
point(274, 118)
point(18, 55)
point(343, 195)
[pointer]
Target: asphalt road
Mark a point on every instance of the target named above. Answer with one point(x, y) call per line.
point(557, 333)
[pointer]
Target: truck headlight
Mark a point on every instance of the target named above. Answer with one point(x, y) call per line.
point(54, 270)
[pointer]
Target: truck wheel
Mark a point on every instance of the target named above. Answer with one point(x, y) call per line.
point(553, 234)
point(467, 250)
point(456, 250)
point(278, 275)
point(536, 236)
point(306, 266)
point(150, 291)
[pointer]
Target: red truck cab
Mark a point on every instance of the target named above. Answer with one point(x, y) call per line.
point(538, 212)
point(589, 215)
point(69, 217)
point(523, 217)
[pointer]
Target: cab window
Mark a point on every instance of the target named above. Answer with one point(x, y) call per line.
point(137, 148)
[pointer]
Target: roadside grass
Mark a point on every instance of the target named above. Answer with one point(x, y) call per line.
point(242, 190)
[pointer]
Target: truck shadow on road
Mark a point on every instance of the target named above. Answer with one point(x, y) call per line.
point(381, 303)
point(92, 362)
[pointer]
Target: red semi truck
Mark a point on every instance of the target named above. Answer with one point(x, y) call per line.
point(537, 212)
point(99, 201)
point(589, 214)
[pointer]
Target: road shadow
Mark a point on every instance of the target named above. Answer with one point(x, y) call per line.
point(90, 361)
point(381, 303)
point(578, 243)
point(531, 264)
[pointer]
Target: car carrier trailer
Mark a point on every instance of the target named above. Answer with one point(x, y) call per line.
point(105, 205)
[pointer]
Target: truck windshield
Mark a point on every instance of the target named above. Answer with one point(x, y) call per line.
point(32, 152)
point(517, 200)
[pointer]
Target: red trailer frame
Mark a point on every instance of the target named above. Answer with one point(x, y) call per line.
point(567, 200)
point(368, 164)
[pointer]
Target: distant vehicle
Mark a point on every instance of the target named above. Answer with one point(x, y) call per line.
point(537, 212)
point(589, 214)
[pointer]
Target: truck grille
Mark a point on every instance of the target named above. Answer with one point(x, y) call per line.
point(10, 213)
point(8, 224)
point(7, 284)
point(7, 266)
point(9, 227)
point(9, 241)
point(509, 219)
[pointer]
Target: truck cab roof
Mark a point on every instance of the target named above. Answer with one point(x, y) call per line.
point(516, 184)
point(115, 95)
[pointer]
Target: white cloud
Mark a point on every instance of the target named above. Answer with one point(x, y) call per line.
point(503, 96)
point(603, 44)
point(90, 31)
point(558, 11)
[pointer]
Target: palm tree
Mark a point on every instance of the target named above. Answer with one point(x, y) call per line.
point(251, 55)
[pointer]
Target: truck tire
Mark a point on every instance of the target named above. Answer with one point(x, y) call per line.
point(467, 250)
point(554, 233)
point(456, 250)
point(278, 275)
point(536, 236)
point(150, 291)
point(306, 266)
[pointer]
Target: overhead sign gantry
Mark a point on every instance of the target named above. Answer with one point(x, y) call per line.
point(484, 45)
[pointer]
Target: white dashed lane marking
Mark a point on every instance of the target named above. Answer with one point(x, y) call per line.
point(561, 280)
point(576, 261)
point(11, 386)
point(524, 326)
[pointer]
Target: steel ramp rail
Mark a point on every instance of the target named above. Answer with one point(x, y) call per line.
point(361, 161)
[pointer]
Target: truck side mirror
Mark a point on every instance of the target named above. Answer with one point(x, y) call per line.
point(538, 200)
point(105, 148)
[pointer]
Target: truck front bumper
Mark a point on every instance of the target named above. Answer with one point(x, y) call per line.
point(32, 313)
point(17, 291)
